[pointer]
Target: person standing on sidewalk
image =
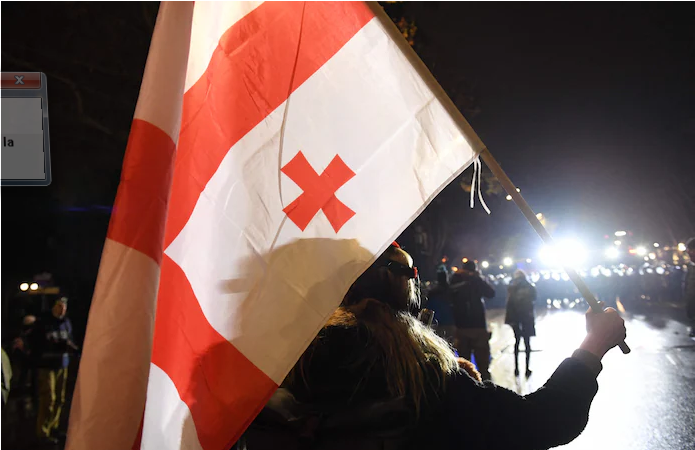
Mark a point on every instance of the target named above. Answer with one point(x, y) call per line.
point(472, 336)
point(53, 343)
point(689, 286)
point(519, 315)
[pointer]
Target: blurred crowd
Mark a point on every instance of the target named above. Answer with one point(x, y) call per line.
point(610, 284)
point(36, 365)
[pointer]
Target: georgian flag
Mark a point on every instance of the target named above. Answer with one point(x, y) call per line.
point(277, 149)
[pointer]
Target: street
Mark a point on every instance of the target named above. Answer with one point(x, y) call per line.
point(646, 399)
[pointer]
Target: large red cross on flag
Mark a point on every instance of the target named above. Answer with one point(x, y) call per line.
point(277, 148)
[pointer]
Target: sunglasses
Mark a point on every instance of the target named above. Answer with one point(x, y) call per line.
point(397, 268)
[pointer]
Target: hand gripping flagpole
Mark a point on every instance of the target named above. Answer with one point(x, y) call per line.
point(542, 232)
point(477, 144)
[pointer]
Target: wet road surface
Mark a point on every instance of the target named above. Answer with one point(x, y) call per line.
point(646, 400)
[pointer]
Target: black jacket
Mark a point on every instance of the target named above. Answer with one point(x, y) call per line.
point(467, 414)
point(51, 339)
point(467, 292)
point(521, 295)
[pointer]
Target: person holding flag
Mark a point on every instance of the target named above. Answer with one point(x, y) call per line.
point(276, 150)
point(375, 377)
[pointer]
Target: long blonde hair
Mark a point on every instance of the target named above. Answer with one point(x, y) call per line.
point(414, 360)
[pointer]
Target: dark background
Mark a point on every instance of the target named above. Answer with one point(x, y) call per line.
point(589, 107)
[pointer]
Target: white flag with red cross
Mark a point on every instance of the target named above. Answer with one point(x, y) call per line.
point(277, 149)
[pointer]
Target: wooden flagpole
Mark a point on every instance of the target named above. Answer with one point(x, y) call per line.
point(479, 147)
point(542, 232)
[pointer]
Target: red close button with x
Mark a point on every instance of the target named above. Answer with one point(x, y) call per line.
point(21, 80)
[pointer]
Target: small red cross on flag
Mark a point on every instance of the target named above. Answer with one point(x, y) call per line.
point(211, 289)
point(319, 192)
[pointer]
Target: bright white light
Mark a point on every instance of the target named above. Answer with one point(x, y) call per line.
point(24, 287)
point(646, 258)
point(518, 190)
point(565, 253)
point(595, 271)
point(652, 256)
point(508, 197)
point(485, 264)
point(549, 301)
point(556, 276)
point(617, 243)
point(660, 270)
point(546, 276)
point(656, 245)
point(681, 247)
point(565, 277)
point(528, 260)
point(620, 233)
point(507, 261)
point(539, 216)
point(612, 253)
point(548, 255)
point(641, 251)
point(501, 266)
point(34, 286)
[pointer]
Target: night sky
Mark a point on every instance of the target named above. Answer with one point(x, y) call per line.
point(589, 107)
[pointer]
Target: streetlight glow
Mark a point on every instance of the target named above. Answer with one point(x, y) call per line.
point(617, 242)
point(641, 251)
point(681, 247)
point(485, 264)
point(656, 245)
point(528, 260)
point(612, 252)
point(34, 286)
point(620, 233)
point(567, 252)
point(507, 261)
point(508, 197)
point(24, 287)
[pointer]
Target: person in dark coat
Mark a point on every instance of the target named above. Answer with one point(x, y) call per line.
point(52, 345)
point(375, 377)
point(519, 315)
point(472, 335)
point(439, 301)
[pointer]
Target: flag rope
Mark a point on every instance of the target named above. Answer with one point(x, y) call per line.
point(477, 172)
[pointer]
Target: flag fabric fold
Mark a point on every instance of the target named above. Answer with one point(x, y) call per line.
point(310, 137)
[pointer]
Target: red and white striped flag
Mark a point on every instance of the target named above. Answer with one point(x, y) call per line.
point(310, 137)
